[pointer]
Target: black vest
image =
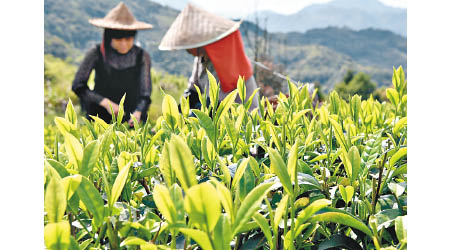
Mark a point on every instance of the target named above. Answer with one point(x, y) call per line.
point(113, 84)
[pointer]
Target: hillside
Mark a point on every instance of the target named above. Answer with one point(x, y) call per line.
point(318, 55)
point(355, 14)
point(66, 26)
point(324, 55)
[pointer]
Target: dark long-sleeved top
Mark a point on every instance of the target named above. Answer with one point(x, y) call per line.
point(117, 61)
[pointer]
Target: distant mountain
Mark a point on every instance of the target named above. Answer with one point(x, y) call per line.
point(324, 55)
point(354, 14)
point(67, 32)
point(320, 55)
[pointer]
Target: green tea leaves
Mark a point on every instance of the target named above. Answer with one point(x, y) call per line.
point(250, 205)
point(346, 193)
point(55, 200)
point(206, 123)
point(164, 203)
point(70, 114)
point(92, 199)
point(73, 149)
point(203, 206)
point(181, 161)
point(339, 216)
point(170, 111)
point(280, 170)
point(119, 183)
point(57, 235)
point(90, 157)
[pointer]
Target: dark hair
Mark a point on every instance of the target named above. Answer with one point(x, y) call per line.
point(109, 34)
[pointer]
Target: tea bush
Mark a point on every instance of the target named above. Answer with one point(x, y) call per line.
point(222, 177)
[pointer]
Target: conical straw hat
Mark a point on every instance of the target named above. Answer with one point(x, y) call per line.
point(120, 18)
point(194, 28)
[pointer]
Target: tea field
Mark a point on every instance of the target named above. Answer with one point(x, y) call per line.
point(298, 176)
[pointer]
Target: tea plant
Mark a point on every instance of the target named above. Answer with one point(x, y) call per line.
point(224, 177)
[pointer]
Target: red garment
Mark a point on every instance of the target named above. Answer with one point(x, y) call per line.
point(229, 60)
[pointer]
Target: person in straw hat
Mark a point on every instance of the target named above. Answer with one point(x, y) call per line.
point(121, 67)
point(216, 43)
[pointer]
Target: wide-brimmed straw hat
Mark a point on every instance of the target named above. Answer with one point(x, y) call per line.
point(194, 28)
point(120, 18)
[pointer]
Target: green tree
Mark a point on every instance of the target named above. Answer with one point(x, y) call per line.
point(352, 84)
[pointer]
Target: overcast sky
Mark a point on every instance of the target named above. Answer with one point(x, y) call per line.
point(241, 8)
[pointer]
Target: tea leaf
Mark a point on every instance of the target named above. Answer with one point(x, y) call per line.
point(149, 246)
point(339, 216)
point(184, 104)
point(135, 122)
point(119, 183)
point(231, 130)
point(335, 103)
point(347, 193)
point(55, 200)
point(400, 170)
point(239, 173)
point(401, 229)
point(249, 206)
point(309, 211)
point(339, 241)
point(57, 235)
point(393, 96)
point(397, 156)
point(213, 90)
point(203, 206)
point(164, 203)
point(123, 159)
point(246, 183)
point(399, 125)
point(281, 209)
point(200, 237)
point(170, 111)
point(347, 164)
point(99, 122)
point(70, 114)
point(225, 199)
point(59, 167)
point(71, 184)
point(90, 157)
point(64, 126)
point(280, 170)
point(339, 134)
point(165, 165)
point(132, 241)
point(396, 189)
point(120, 113)
point(73, 245)
point(264, 225)
point(92, 199)
point(298, 115)
point(73, 149)
point(355, 107)
point(355, 160)
point(222, 233)
point(181, 161)
point(386, 218)
point(241, 88)
point(206, 123)
point(249, 101)
point(225, 105)
point(292, 161)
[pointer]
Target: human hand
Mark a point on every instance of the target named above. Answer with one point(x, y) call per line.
point(137, 115)
point(105, 104)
